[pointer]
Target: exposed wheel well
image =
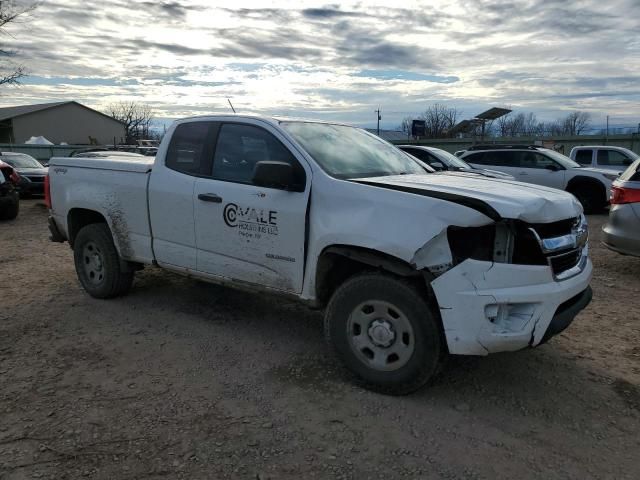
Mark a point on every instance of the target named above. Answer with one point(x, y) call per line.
point(339, 262)
point(596, 187)
point(79, 218)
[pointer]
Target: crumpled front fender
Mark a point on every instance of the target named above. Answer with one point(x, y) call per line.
point(489, 307)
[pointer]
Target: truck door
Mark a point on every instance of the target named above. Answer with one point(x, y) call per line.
point(246, 232)
point(171, 186)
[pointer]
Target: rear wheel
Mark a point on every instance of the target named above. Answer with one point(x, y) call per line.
point(98, 264)
point(385, 333)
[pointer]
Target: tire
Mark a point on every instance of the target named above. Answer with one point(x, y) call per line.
point(589, 200)
point(385, 333)
point(11, 212)
point(98, 264)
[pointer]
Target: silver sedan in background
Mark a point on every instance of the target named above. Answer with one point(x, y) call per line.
point(622, 231)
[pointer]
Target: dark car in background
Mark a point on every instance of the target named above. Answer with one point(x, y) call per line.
point(441, 160)
point(9, 197)
point(32, 172)
point(622, 231)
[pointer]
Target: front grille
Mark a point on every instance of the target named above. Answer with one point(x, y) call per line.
point(555, 229)
point(565, 261)
point(558, 244)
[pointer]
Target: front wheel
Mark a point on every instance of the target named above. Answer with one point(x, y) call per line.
point(385, 333)
point(98, 264)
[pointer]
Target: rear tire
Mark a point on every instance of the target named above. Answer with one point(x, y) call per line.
point(385, 333)
point(98, 264)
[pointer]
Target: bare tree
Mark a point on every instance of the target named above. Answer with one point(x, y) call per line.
point(439, 119)
point(576, 122)
point(11, 11)
point(137, 118)
point(405, 125)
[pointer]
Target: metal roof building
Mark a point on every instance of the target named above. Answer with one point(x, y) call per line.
point(69, 122)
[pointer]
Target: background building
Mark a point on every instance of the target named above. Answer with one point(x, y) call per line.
point(69, 122)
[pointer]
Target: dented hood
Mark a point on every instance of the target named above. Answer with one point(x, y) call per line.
point(493, 197)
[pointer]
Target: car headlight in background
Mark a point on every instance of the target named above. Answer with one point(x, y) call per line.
point(611, 176)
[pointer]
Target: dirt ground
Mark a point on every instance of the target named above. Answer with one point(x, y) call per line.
point(186, 380)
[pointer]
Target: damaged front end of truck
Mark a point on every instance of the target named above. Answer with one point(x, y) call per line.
point(507, 285)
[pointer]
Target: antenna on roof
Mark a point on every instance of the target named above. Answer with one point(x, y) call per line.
point(231, 105)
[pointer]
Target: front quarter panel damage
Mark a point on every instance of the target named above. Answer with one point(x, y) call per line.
point(490, 307)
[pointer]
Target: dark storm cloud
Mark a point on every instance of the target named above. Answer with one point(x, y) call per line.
point(281, 43)
point(328, 13)
point(140, 45)
point(175, 10)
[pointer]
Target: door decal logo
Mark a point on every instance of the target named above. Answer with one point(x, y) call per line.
point(251, 222)
point(230, 214)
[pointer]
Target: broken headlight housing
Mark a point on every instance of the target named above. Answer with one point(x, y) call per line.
point(562, 245)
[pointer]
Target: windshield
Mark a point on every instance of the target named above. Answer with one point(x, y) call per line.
point(563, 160)
point(350, 152)
point(451, 159)
point(21, 160)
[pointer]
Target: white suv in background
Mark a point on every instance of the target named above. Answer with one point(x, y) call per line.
point(532, 164)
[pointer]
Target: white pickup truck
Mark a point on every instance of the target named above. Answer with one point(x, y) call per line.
point(410, 266)
point(606, 157)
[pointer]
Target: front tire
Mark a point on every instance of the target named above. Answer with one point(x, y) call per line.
point(98, 264)
point(385, 333)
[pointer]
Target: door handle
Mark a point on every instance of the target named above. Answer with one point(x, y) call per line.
point(523, 173)
point(210, 197)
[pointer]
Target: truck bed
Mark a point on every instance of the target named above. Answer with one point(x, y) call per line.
point(116, 187)
point(130, 164)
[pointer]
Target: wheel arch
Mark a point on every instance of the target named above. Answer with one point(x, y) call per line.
point(77, 218)
point(594, 187)
point(336, 263)
point(581, 181)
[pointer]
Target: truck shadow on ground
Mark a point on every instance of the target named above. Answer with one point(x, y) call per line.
point(537, 381)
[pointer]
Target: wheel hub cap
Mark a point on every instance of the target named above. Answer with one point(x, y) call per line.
point(97, 262)
point(381, 333)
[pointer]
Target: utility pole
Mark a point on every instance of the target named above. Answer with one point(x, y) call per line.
point(606, 137)
point(379, 118)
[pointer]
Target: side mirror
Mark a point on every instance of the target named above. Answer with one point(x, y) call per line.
point(438, 166)
point(626, 162)
point(273, 175)
point(553, 167)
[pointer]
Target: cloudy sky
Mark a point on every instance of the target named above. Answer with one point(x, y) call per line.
point(335, 61)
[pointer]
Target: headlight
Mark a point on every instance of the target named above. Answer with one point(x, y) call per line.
point(611, 176)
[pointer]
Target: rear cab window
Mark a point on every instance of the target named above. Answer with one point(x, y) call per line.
point(584, 157)
point(190, 146)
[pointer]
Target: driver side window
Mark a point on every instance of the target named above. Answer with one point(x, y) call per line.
point(240, 147)
point(612, 158)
